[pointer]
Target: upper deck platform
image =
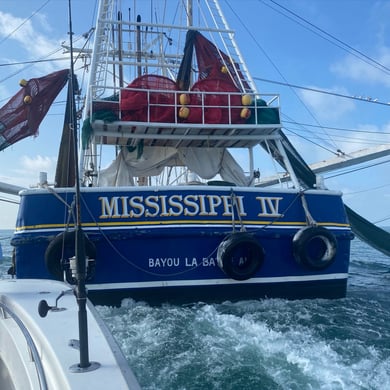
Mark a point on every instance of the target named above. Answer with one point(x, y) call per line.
point(184, 119)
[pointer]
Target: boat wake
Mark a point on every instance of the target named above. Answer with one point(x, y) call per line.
point(270, 344)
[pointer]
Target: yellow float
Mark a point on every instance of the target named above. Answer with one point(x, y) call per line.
point(184, 99)
point(184, 112)
point(245, 113)
point(27, 99)
point(246, 100)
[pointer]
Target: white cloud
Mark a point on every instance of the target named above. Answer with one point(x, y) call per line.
point(37, 163)
point(28, 169)
point(326, 106)
point(356, 69)
point(24, 33)
point(27, 38)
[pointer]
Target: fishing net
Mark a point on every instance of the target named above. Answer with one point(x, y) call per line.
point(212, 102)
point(149, 98)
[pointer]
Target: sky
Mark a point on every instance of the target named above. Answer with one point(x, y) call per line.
point(340, 47)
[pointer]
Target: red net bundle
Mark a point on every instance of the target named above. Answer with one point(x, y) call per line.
point(149, 98)
point(216, 102)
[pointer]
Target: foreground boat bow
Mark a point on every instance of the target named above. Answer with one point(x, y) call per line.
point(42, 353)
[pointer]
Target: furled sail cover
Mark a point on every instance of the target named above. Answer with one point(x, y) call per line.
point(368, 232)
point(365, 230)
point(206, 163)
point(66, 167)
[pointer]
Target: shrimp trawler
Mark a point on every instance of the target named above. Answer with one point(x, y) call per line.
point(169, 211)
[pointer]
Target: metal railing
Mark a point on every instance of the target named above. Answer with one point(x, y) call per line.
point(30, 344)
point(236, 108)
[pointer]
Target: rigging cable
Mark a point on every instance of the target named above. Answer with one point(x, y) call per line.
point(345, 46)
point(24, 21)
point(358, 169)
point(9, 200)
point(336, 41)
point(278, 71)
point(286, 84)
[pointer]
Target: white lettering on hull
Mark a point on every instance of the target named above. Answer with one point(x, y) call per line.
point(269, 206)
point(192, 262)
point(161, 262)
point(159, 206)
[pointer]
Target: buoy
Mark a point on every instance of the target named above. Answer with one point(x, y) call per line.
point(184, 99)
point(184, 112)
point(23, 82)
point(224, 69)
point(246, 100)
point(245, 113)
point(27, 99)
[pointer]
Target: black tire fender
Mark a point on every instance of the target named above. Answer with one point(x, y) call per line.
point(240, 256)
point(315, 247)
point(63, 245)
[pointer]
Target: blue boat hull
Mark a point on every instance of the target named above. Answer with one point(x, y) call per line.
point(161, 244)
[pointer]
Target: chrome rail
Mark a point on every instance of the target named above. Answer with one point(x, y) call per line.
point(176, 100)
point(30, 343)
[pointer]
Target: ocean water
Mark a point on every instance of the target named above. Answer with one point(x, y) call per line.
point(261, 344)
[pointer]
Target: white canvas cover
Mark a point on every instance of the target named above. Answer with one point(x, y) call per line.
point(206, 163)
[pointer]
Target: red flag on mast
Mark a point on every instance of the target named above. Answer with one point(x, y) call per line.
point(22, 115)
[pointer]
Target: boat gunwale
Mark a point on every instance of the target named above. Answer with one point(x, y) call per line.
point(179, 188)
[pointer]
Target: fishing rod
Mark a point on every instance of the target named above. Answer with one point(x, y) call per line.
point(80, 256)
